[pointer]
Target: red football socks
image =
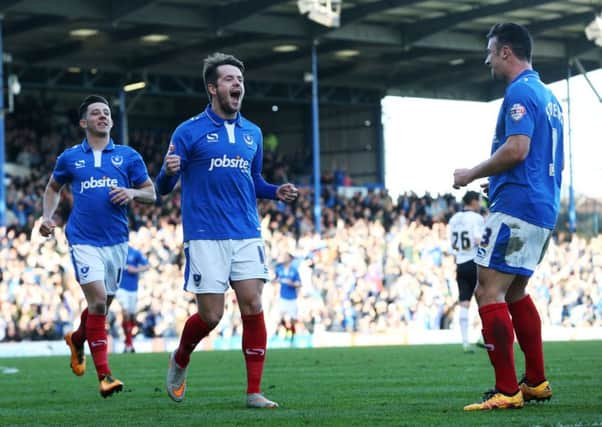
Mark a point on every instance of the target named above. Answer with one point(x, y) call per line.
point(527, 325)
point(254, 343)
point(128, 326)
point(499, 340)
point(98, 343)
point(194, 331)
point(79, 336)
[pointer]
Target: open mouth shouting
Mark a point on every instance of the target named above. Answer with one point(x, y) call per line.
point(236, 96)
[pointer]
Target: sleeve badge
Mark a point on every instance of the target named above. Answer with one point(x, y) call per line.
point(517, 112)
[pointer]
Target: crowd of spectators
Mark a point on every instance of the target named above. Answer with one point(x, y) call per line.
point(380, 265)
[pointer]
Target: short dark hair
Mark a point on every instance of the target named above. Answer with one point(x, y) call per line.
point(470, 196)
point(514, 35)
point(215, 60)
point(91, 99)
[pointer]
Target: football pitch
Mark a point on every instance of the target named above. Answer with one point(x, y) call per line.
point(362, 386)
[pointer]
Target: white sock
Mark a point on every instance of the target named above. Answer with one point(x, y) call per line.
point(464, 324)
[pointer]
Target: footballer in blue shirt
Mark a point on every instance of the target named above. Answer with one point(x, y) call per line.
point(524, 170)
point(127, 294)
point(218, 156)
point(104, 178)
point(287, 276)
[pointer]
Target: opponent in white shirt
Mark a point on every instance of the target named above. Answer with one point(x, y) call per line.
point(465, 231)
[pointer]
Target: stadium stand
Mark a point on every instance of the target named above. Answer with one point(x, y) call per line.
point(381, 265)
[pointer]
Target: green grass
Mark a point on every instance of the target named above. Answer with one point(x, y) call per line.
point(369, 386)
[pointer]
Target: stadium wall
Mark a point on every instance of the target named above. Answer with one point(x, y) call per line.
point(318, 340)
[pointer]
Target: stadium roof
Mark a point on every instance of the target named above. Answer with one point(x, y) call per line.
point(404, 47)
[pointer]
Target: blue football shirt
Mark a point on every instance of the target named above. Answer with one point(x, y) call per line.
point(220, 169)
point(129, 281)
point(287, 291)
point(94, 220)
point(530, 190)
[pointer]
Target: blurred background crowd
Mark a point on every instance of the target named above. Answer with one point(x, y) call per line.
point(380, 265)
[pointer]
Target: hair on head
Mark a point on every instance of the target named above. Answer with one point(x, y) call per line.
point(91, 99)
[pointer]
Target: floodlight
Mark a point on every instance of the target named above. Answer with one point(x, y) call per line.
point(14, 86)
point(323, 12)
point(130, 87)
point(155, 38)
point(346, 53)
point(285, 48)
point(83, 32)
point(593, 31)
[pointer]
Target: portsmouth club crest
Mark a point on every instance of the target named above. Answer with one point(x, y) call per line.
point(84, 270)
point(248, 138)
point(197, 280)
point(117, 161)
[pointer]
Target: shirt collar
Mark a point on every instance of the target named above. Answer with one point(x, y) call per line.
point(86, 146)
point(525, 73)
point(217, 120)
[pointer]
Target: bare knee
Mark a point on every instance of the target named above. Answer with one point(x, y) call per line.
point(492, 286)
point(97, 307)
point(487, 295)
point(250, 307)
point(248, 293)
point(517, 289)
point(514, 295)
point(96, 297)
point(211, 317)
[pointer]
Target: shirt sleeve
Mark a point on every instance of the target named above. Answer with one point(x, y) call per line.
point(131, 262)
point(178, 139)
point(61, 173)
point(141, 259)
point(167, 183)
point(263, 190)
point(138, 173)
point(520, 111)
point(296, 276)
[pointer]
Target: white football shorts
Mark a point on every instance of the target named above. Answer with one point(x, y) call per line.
point(212, 264)
point(128, 300)
point(511, 245)
point(289, 308)
point(105, 263)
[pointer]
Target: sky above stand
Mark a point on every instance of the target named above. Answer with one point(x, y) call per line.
point(426, 139)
